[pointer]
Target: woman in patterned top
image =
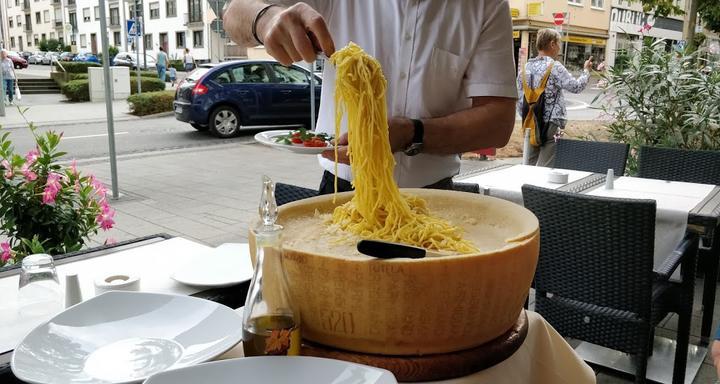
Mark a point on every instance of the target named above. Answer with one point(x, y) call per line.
point(548, 46)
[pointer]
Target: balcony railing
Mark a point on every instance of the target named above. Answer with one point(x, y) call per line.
point(58, 24)
point(70, 3)
point(193, 19)
point(56, 3)
point(27, 28)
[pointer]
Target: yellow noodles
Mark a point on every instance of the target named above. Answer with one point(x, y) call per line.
point(378, 210)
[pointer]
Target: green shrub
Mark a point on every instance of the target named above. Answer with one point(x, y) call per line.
point(77, 90)
point(151, 102)
point(177, 64)
point(77, 76)
point(663, 99)
point(76, 67)
point(147, 84)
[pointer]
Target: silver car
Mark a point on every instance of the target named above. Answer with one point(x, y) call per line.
point(127, 59)
point(49, 57)
point(36, 57)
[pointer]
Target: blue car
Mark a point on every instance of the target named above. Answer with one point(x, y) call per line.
point(223, 98)
point(87, 57)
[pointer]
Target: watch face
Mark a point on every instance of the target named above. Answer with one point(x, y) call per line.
point(413, 149)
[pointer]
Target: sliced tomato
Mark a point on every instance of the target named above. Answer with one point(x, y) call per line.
point(296, 140)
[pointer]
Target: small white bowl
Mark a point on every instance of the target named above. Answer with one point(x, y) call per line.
point(557, 177)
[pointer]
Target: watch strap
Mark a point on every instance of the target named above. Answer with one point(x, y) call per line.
point(419, 131)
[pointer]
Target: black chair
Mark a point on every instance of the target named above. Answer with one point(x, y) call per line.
point(591, 156)
point(595, 280)
point(286, 193)
point(679, 165)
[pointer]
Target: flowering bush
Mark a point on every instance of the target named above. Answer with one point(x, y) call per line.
point(44, 206)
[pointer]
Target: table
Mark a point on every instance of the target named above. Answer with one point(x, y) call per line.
point(544, 357)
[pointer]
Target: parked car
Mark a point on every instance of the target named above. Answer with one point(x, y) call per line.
point(127, 59)
point(67, 56)
point(229, 96)
point(18, 61)
point(25, 54)
point(87, 58)
point(36, 57)
point(47, 60)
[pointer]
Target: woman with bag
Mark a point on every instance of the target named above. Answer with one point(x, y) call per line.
point(541, 103)
point(188, 60)
point(9, 78)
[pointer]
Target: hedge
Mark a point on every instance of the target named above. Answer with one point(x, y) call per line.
point(76, 67)
point(77, 90)
point(147, 84)
point(151, 102)
point(77, 76)
point(177, 64)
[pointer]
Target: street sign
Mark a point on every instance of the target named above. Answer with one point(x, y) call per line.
point(134, 28)
point(559, 18)
point(681, 45)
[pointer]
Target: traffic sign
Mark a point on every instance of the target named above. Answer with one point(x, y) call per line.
point(559, 18)
point(133, 28)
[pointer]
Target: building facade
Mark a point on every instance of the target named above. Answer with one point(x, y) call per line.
point(585, 30)
point(171, 24)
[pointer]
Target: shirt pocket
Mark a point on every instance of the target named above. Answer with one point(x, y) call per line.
point(445, 81)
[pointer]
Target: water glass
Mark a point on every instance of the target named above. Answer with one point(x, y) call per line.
point(39, 292)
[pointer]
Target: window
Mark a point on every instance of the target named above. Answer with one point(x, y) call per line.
point(10, 22)
point(170, 8)
point(43, 37)
point(46, 16)
point(36, 40)
point(19, 20)
point(131, 12)
point(597, 3)
point(17, 3)
point(12, 42)
point(197, 39)
point(251, 73)
point(114, 16)
point(223, 77)
point(179, 39)
point(287, 75)
point(575, 2)
point(37, 18)
point(28, 21)
point(148, 41)
point(72, 17)
point(86, 14)
point(116, 39)
point(154, 10)
point(83, 41)
point(97, 13)
point(195, 10)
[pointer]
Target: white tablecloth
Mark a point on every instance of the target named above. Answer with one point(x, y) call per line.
point(544, 358)
point(674, 201)
point(506, 183)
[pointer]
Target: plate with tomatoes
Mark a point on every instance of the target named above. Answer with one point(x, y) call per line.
point(298, 140)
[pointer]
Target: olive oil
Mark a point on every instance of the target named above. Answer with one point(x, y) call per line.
point(276, 335)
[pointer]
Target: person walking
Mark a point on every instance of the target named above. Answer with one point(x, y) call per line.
point(162, 64)
point(545, 71)
point(188, 61)
point(9, 78)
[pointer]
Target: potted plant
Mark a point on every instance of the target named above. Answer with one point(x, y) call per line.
point(46, 206)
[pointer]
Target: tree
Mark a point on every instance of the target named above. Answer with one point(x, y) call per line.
point(51, 45)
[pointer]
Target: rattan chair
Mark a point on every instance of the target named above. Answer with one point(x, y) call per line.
point(679, 165)
point(286, 193)
point(595, 281)
point(591, 156)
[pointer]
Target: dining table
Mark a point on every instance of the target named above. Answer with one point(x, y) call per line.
point(543, 357)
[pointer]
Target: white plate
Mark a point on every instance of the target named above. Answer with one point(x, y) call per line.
point(124, 337)
point(268, 138)
point(276, 370)
point(224, 266)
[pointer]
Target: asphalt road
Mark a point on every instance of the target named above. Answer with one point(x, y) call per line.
point(89, 141)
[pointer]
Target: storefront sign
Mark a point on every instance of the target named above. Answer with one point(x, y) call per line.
point(584, 40)
point(535, 9)
point(514, 12)
point(628, 16)
point(516, 34)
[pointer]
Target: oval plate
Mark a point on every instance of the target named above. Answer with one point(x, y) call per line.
point(224, 266)
point(268, 138)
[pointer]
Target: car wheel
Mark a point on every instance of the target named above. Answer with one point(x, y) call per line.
point(18, 66)
point(225, 122)
point(199, 127)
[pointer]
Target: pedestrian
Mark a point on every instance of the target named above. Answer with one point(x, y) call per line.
point(188, 61)
point(9, 78)
point(173, 74)
point(162, 64)
point(449, 73)
point(715, 354)
point(545, 72)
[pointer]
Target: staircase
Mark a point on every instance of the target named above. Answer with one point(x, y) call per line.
point(38, 86)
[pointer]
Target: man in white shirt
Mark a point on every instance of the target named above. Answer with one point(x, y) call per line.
point(449, 67)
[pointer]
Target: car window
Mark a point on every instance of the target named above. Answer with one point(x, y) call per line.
point(251, 73)
point(197, 74)
point(289, 75)
point(223, 77)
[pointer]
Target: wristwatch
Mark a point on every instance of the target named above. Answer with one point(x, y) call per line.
point(416, 145)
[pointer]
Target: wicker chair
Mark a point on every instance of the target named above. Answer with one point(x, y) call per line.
point(286, 193)
point(595, 281)
point(679, 165)
point(591, 156)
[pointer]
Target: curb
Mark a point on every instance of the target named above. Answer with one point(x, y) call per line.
point(68, 122)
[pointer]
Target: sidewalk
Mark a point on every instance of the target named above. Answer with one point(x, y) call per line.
point(54, 110)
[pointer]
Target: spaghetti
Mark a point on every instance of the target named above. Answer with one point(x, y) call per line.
point(378, 210)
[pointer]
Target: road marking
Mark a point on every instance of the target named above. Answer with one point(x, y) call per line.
point(88, 136)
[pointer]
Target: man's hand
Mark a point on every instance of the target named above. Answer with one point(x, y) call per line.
point(342, 144)
point(295, 34)
point(401, 133)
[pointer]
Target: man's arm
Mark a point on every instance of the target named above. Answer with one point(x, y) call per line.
point(289, 34)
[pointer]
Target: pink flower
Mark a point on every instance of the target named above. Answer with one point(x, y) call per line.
point(52, 187)
point(98, 186)
point(29, 175)
point(105, 218)
point(32, 157)
point(8, 169)
point(6, 252)
point(73, 167)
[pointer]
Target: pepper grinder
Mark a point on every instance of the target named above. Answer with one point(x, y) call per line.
point(73, 295)
point(610, 179)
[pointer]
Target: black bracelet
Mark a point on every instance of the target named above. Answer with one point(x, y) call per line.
point(257, 17)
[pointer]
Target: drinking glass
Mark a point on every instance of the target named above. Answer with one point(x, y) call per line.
point(39, 292)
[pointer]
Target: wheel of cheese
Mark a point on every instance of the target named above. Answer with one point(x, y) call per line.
point(411, 306)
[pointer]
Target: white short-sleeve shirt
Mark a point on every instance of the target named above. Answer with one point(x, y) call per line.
point(435, 55)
